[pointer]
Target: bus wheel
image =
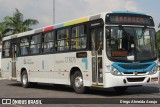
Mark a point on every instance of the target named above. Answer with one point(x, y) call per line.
point(120, 89)
point(77, 83)
point(24, 79)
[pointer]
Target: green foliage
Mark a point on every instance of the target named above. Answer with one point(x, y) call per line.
point(158, 41)
point(3, 27)
point(15, 24)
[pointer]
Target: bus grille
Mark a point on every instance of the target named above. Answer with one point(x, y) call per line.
point(135, 79)
point(133, 72)
point(134, 66)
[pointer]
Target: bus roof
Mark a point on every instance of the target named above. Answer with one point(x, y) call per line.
point(128, 12)
point(67, 23)
point(56, 26)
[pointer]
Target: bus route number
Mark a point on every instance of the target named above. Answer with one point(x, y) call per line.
point(70, 59)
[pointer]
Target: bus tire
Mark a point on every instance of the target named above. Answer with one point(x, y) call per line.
point(120, 89)
point(24, 79)
point(77, 83)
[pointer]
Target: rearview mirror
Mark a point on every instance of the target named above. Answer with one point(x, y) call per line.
point(107, 33)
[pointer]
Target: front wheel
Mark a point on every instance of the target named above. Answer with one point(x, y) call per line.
point(77, 83)
point(24, 79)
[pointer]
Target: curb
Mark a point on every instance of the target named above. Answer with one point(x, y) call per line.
point(2, 78)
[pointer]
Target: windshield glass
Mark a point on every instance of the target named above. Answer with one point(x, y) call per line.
point(131, 44)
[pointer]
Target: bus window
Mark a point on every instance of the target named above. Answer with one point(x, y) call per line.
point(24, 46)
point(35, 47)
point(6, 49)
point(63, 40)
point(48, 45)
point(78, 38)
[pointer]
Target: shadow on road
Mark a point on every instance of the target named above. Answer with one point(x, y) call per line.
point(94, 91)
point(129, 91)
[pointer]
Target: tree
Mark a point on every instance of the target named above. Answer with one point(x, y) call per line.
point(158, 39)
point(16, 23)
point(3, 29)
point(158, 44)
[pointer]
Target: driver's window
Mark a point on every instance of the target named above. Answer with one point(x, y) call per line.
point(143, 38)
point(113, 39)
point(140, 38)
point(120, 39)
point(147, 39)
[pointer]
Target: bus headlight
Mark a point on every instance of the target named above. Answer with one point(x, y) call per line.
point(113, 70)
point(154, 70)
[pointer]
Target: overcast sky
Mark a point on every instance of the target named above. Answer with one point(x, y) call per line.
point(42, 10)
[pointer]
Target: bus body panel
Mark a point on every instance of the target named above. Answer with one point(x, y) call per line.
point(54, 68)
point(6, 68)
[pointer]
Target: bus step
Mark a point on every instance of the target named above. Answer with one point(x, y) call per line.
point(96, 85)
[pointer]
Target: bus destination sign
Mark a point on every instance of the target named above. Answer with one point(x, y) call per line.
point(130, 19)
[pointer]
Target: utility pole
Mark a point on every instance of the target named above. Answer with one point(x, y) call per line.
point(54, 12)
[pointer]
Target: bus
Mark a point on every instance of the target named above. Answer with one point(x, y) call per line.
point(107, 50)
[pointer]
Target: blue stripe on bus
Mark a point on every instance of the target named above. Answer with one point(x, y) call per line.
point(128, 12)
point(118, 66)
point(85, 61)
point(8, 66)
point(58, 26)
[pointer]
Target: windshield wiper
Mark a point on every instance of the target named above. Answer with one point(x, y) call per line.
point(125, 32)
point(143, 31)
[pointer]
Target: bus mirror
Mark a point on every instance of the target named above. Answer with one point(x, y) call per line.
point(107, 33)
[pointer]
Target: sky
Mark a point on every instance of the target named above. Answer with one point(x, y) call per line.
point(65, 10)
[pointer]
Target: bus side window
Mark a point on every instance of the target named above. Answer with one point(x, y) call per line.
point(73, 43)
point(48, 45)
point(24, 46)
point(78, 38)
point(67, 39)
point(63, 39)
point(35, 47)
point(6, 49)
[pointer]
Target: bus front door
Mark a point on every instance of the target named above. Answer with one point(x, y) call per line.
point(13, 61)
point(96, 49)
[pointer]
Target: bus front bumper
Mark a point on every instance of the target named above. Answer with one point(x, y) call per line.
point(115, 81)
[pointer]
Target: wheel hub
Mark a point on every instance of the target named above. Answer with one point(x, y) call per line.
point(24, 79)
point(79, 82)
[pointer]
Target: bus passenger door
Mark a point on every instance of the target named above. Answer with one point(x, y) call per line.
point(96, 49)
point(13, 59)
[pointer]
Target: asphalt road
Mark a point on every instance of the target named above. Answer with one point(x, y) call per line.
point(13, 89)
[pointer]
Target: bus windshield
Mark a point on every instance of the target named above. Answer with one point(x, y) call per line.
point(131, 43)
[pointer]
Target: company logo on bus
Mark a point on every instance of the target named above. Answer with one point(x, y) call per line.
point(135, 73)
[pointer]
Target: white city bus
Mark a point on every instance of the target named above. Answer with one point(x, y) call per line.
point(115, 49)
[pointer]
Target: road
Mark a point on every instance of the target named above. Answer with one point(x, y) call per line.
point(13, 89)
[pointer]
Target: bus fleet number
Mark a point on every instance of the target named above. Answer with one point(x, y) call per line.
point(70, 59)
